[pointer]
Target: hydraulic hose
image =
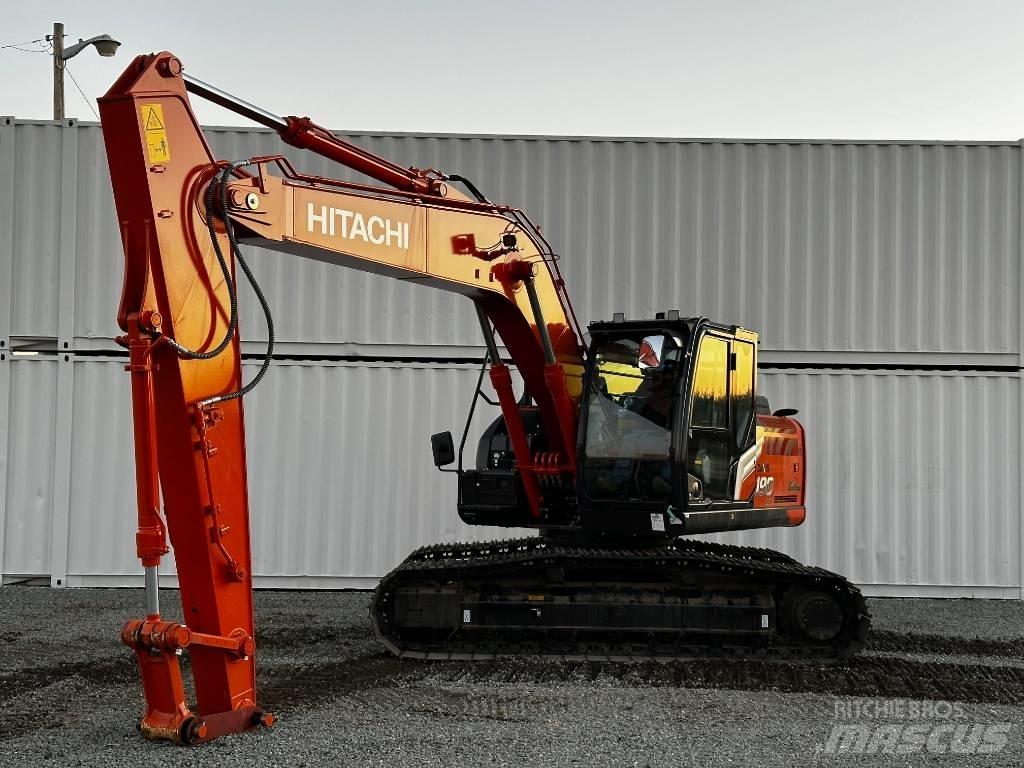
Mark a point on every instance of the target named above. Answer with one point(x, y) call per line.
point(269, 353)
point(190, 354)
point(469, 185)
point(183, 351)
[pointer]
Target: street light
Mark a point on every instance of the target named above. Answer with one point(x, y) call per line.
point(105, 46)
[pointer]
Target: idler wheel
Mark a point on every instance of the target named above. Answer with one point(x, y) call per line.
point(815, 615)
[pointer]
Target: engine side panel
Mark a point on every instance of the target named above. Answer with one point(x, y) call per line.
point(781, 468)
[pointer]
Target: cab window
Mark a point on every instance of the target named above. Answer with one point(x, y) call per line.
point(710, 385)
point(710, 442)
point(629, 409)
point(743, 393)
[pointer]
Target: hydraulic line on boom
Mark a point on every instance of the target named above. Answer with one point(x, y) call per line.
point(229, 284)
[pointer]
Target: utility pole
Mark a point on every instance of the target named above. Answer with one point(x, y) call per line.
point(105, 46)
point(58, 71)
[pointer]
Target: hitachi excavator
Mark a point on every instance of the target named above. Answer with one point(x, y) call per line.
point(612, 452)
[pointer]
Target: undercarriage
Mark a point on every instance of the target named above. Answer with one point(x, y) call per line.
point(680, 599)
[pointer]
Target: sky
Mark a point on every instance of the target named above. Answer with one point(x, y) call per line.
point(799, 69)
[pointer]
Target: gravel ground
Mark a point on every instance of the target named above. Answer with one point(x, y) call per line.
point(987, 619)
point(69, 695)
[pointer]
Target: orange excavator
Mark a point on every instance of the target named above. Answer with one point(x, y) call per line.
point(612, 451)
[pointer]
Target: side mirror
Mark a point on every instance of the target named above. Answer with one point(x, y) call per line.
point(443, 448)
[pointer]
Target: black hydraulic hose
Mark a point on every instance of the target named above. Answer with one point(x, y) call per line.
point(269, 354)
point(472, 406)
point(229, 228)
point(183, 351)
point(470, 186)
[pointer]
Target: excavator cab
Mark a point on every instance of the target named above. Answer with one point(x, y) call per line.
point(668, 414)
point(630, 402)
point(668, 441)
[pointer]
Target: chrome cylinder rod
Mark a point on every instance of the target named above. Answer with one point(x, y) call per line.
point(152, 590)
point(538, 317)
point(485, 326)
point(224, 99)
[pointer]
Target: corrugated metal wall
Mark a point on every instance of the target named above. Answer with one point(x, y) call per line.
point(340, 473)
point(842, 255)
point(827, 248)
point(913, 478)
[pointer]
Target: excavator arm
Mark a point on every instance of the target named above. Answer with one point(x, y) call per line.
point(182, 213)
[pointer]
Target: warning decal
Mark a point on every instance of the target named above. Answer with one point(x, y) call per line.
point(155, 132)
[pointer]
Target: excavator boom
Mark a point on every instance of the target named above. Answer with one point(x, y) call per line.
point(180, 211)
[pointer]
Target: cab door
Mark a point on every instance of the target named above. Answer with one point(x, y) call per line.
point(709, 440)
point(720, 446)
point(742, 389)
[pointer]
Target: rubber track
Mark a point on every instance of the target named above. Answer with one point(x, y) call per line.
point(763, 567)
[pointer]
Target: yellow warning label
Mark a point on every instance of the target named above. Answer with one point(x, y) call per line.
point(155, 131)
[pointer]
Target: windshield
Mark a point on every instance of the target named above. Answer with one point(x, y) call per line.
point(629, 416)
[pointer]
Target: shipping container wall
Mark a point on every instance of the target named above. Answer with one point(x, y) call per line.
point(841, 254)
point(342, 484)
point(26, 507)
point(831, 249)
point(913, 477)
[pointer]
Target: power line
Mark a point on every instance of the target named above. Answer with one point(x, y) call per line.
point(19, 46)
point(81, 91)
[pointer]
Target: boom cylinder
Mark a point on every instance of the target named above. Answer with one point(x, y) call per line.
point(485, 326)
point(239, 106)
point(538, 317)
point(304, 133)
